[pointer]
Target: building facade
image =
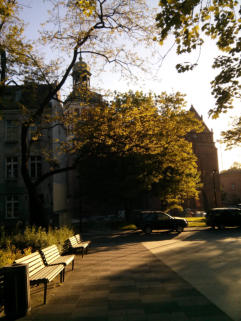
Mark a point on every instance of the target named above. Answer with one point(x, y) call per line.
point(15, 104)
point(231, 186)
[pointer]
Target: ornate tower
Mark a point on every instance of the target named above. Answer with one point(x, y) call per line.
point(81, 97)
point(207, 159)
point(81, 76)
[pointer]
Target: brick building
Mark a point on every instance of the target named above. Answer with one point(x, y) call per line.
point(231, 186)
point(207, 159)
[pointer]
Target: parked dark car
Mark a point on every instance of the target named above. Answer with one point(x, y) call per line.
point(223, 217)
point(157, 220)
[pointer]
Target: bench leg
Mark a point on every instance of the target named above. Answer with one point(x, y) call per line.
point(73, 265)
point(45, 292)
point(62, 275)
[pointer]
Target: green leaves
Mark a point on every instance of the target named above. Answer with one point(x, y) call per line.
point(232, 137)
point(136, 145)
point(190, 21)
point(16, 49)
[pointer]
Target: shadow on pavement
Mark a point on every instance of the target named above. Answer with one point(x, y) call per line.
point(121, 280)
point(106, 242)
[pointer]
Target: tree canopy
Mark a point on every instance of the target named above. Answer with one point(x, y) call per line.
point(97, 28)
point(193, 22)
point(136, 145)
point(14, 49)
point(232, 137)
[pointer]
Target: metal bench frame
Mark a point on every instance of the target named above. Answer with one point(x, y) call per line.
point(39, 272)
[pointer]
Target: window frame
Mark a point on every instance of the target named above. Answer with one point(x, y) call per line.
point(11, 166)
point(11, 131)
point(13, 205)
point(35, 168)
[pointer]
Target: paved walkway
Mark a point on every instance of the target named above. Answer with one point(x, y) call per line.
point(121, 280)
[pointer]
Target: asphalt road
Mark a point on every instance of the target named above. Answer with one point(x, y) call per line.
point(209, 260)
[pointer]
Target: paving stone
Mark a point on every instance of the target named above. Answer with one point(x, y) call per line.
point(122, 282)
point(159, 317)
point(178, 316)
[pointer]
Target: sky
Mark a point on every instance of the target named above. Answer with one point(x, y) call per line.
point(194, 84)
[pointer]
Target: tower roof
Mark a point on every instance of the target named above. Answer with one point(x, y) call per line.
point(193, 110)
point(81, 67)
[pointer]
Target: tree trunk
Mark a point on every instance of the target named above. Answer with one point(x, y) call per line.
point(36, 209)
point(3, 65)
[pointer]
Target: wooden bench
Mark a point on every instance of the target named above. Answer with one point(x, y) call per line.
point(39, 273)
point(75, 243)
point(51, 256)
point(81, 241)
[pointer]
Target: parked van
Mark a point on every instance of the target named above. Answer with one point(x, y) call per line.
point(223, 217)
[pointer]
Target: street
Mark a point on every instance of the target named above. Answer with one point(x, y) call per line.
point(210, 260)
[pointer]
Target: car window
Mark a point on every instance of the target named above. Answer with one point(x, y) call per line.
point(162, 217)
point(148, 216)
point(225, 212)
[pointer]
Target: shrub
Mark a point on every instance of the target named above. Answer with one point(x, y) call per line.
point(10, 254)
point(38, 238)
point(31, 239)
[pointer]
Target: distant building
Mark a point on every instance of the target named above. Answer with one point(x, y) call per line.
point(231, 186)
point(13, 193)
point(207, 160)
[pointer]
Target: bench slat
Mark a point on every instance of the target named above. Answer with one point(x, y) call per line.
point(80, 240)
point(39, 273)
point(48, 273)
point(51, 256)
point(75, 242)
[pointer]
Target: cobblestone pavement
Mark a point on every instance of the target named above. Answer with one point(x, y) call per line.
point(121, 280)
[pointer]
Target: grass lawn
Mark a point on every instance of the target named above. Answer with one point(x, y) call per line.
point(196, 221)
point(128, 227)
point(192, 222)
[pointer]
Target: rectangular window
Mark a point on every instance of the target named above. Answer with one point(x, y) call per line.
point(35, 166)
point(11, 130)
point(12, 167)
point(12, 206)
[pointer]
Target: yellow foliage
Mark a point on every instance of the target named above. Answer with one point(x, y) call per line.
point(152, 129)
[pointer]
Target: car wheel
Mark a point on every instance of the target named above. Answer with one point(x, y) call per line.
point(179, 229)
point(213, 227)
point(147, 229)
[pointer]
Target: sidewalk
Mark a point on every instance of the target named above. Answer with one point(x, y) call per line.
point(120, 280)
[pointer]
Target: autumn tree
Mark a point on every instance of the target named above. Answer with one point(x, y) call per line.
point(15, 51)
point(133, 147)
point(232, 137)
point(193, 22)
point(98, 28)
